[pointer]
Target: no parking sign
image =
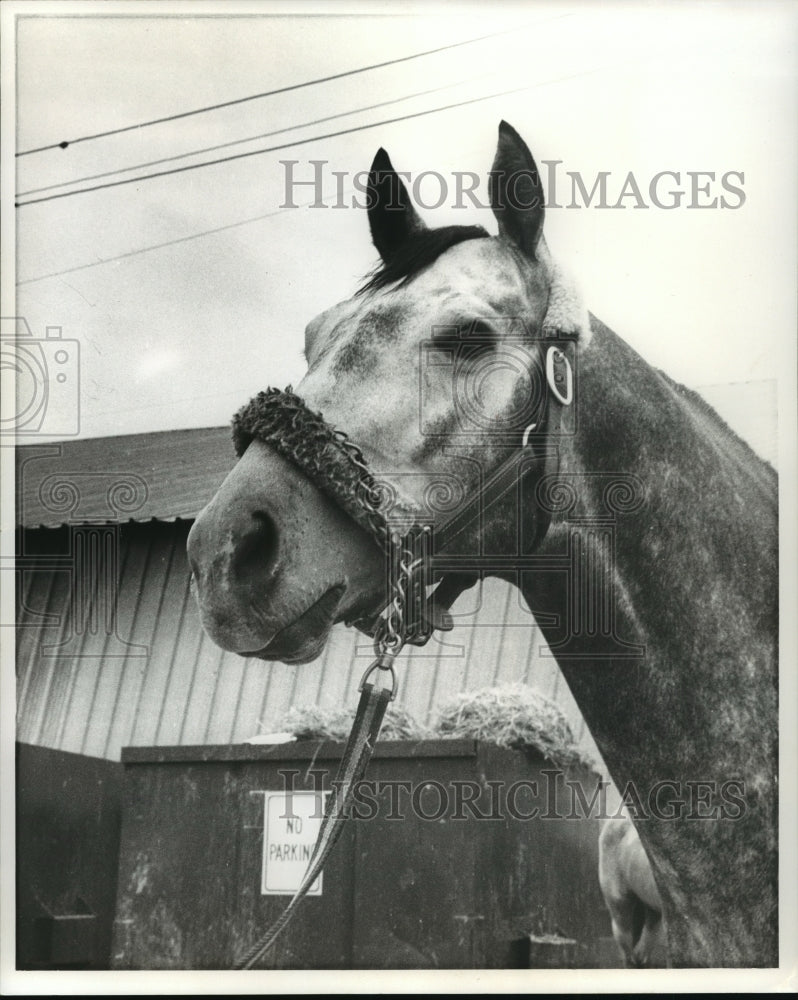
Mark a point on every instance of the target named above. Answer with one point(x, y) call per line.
point(291, 822)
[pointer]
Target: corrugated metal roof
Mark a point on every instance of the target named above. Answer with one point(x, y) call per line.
point(173, 474)
point(132, 477)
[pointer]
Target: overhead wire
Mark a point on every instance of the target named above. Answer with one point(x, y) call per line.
point(289, 145)
point(252, 138)
point(243, 222)
point(175, 242)
point(65, 143)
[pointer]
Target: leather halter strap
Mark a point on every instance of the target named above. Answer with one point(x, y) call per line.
point(537, 458)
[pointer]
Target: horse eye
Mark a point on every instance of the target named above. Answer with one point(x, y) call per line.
point(478, 329)
point(481, 329)
point(466, 330)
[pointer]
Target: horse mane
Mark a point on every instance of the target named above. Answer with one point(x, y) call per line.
point(416, 253)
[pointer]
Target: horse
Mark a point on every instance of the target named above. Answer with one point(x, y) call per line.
point(630, 892)
point(640, 530)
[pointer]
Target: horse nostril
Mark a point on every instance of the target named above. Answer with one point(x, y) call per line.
point(257, 550)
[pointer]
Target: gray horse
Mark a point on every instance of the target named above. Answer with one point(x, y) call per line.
point(647, 547)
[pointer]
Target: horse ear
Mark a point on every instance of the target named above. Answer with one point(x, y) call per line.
point(392, 217)
point(516, 194)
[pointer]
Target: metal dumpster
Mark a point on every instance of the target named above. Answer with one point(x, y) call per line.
point(68, 822)
point(460, 855)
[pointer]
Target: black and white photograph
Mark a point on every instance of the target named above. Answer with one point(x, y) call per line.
point(398, 441)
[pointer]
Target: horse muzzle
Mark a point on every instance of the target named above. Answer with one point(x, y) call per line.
point(276, 563)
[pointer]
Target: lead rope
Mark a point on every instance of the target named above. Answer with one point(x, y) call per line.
point(374, 701)
point(404, 617)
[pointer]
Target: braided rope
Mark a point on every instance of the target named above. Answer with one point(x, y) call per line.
point(326, 456)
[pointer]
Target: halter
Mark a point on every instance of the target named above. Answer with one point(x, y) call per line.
point(336, 465)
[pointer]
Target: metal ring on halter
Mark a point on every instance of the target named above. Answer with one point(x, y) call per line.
point(383, 662)
point(527, 432)
point(555, 355)
point(388, 642)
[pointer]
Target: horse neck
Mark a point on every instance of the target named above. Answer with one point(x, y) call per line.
point(661, 608)
point(679, 516)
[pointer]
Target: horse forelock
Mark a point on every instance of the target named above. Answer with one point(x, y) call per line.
point(422, 248)
point(566, 312)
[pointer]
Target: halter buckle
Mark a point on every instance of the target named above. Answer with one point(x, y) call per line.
point(558, 370)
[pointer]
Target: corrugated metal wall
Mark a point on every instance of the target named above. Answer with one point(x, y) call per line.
point(103, 665)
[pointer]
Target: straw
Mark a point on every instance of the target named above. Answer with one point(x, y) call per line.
point(512, 716)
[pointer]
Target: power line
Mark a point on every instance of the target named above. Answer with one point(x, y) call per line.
point(274, 149)
point(271, 93)
point(169, 243)
point(243, 222)
point(252, 138)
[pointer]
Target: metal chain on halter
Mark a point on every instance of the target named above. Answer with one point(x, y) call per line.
point(406, 619)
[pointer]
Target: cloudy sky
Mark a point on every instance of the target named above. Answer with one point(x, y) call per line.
point(189, 292)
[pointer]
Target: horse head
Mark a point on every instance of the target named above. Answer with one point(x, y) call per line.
point(441, 347)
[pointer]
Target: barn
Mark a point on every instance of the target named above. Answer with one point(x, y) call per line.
point(111, 653)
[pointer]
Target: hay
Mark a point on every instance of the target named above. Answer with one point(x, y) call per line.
point(512, 716)
point(312, 722)
point(399, 724)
